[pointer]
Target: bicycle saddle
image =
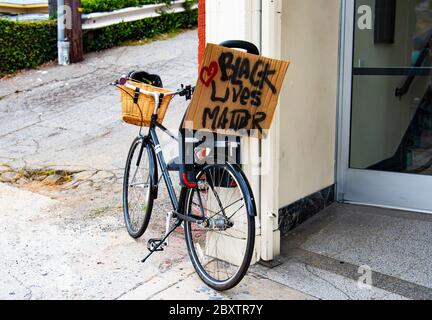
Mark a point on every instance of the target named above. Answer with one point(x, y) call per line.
point(249, 47)
point(145, 77)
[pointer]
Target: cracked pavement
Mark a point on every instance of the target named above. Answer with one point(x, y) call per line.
point(69, 241)
point(69, 118)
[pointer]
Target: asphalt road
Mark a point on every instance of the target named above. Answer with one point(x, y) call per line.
point(69, 241)
point(70, 116)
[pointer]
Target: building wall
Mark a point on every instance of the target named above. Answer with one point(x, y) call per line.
point(202, 39)
point(310, 40)
point(227, 20)
point(237, 20)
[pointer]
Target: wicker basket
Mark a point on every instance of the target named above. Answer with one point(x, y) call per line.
point(140, 114)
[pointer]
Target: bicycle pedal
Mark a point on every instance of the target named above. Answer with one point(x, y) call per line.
point(152, 244)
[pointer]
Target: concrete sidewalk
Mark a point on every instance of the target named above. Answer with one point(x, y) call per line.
point(49, 253)
point(344, 253)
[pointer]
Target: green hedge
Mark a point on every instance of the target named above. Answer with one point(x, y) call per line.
point(29, 44)
point(117, 34)
point(111, 5)
point(26, 44)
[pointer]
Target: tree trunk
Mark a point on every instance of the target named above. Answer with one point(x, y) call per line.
point(74, 34)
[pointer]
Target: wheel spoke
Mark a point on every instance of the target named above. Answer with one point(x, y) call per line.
point(236, 212)
point(212, 187)
point(224, 209)
point(222, 251)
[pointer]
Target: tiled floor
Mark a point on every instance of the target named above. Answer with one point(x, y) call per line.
point(340, 243)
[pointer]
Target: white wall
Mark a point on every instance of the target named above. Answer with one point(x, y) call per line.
point(233, 19)
point(239, 20)
point(310, 39)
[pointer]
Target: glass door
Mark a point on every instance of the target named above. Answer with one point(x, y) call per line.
point(385, 152)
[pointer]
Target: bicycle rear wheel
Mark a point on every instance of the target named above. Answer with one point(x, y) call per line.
point(138, 192)
point(221, 248)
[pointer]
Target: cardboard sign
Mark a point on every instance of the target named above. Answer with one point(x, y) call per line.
point(236, 91)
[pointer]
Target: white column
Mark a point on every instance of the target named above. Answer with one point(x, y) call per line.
point(233, 20)
point(240, 20)
point(271, 47)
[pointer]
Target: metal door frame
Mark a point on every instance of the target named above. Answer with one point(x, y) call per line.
point(383, 189)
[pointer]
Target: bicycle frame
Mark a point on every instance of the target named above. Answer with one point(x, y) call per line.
point(153, 139)
point(152, 135)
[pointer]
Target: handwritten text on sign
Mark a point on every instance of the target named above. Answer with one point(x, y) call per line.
point(236, 91)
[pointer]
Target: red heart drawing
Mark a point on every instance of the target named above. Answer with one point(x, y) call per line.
point(209, 73)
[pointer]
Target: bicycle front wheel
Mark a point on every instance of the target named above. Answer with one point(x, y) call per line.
point(222, 245)
point(138, 192)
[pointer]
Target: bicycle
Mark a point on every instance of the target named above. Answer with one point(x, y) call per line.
point(217, 207)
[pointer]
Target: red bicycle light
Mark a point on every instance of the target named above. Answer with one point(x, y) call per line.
point(122, 81)
point(186, 182)
point(233, 184)
point(204, 152)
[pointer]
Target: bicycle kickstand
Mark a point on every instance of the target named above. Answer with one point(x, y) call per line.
point(161, 242)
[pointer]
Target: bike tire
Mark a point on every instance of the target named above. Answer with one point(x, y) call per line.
point(185, 201)
point(133, 163)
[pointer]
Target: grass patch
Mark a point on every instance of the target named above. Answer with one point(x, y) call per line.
point(119, 34)
point(33, 174)
point(90, 6)
point(39, 175)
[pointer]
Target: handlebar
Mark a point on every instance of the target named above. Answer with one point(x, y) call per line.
point(184, 91)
